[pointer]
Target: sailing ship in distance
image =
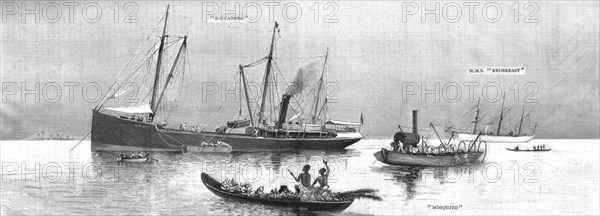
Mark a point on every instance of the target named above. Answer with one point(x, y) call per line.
point(518, 136)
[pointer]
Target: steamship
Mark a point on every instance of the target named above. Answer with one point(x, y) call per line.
point(499, 137)
point(143, 127)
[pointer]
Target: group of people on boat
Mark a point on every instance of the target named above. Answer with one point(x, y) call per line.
point(311, 191)
point(195, 128)
point(135, 155)
point(138, 118)
point(535, 147)
point(305, 191)
point(398, 146)
point(511, 133)
point(182, 126)
point(218, 143)
point(58, 136)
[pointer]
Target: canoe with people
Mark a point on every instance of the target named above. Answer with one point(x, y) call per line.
point(536, 148)
point(307, 196)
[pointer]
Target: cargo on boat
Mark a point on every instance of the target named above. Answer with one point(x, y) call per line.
point(426, 160)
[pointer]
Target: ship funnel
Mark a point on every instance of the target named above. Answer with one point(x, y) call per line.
point(283, 112)
point(414, 121)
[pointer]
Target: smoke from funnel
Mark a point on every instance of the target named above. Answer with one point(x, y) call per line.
point(304, 78)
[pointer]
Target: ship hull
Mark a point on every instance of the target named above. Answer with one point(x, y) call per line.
point(498, 139)
point(111, 133)
point(242, 142)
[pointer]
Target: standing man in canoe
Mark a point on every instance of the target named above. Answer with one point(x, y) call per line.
point(323, 179)
point(322, 192)
point(304, 177)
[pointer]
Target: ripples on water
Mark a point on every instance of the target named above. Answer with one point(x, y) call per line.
point(563, 181)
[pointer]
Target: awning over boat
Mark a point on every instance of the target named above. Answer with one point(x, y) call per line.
point(334, 122)
point(141, 109)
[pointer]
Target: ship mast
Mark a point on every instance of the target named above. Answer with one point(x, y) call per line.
point(476, 118)
point(314, 117)
point(501, 116)
point(436, 133)
point(183, 45)
point(158, 62)
point(246, 93)
point(267, 75)
point(521, 122)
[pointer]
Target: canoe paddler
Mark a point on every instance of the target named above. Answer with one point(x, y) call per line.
point(304, 190)
point(304, 177)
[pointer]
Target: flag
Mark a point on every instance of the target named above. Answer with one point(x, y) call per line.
point(361, 119)
point(277, 27)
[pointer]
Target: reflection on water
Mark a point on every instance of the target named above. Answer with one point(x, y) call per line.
point(42, 177)
point(407, 176)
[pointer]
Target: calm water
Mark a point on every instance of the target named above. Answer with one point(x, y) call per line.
point(42, 177)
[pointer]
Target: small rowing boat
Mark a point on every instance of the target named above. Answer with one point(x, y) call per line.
point(214, 186)
point(204, 147)
point(528, 150)
point(127, 159)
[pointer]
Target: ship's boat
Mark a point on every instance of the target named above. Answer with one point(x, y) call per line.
point(219, 147)
point(133, 159)
point(238, 123)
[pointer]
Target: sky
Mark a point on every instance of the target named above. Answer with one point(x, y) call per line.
point(385, 59)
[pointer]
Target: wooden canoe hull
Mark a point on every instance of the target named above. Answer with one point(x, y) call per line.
point(417, 160)
point(214, 186)
point(111, 133)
